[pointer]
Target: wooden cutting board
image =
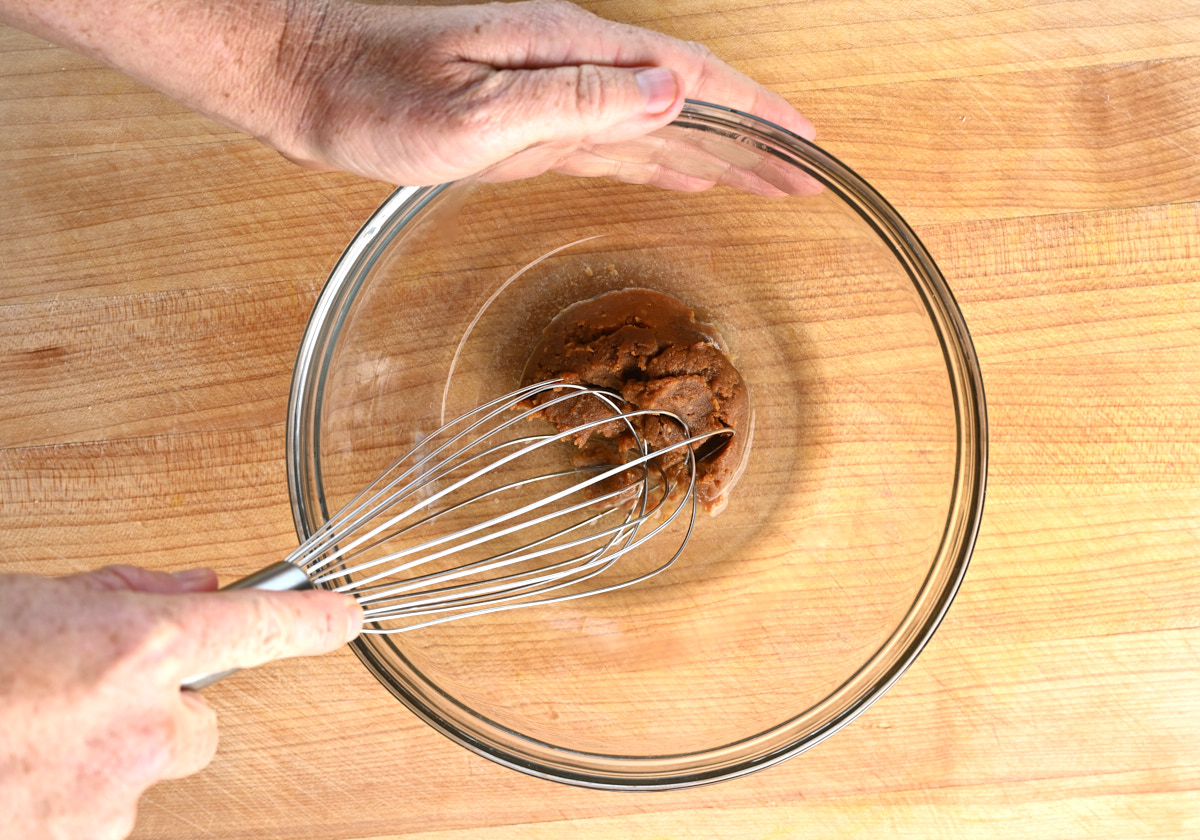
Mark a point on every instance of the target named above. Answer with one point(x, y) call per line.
point(158, 271)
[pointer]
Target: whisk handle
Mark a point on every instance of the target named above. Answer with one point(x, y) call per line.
point(278, 577)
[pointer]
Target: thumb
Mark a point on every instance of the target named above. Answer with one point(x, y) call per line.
point(592, 102)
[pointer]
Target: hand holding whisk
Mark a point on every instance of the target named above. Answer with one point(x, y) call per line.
point(486, 514)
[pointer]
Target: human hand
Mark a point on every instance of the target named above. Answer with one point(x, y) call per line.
point(90, 669)
point(424, 95)
point(418, 96)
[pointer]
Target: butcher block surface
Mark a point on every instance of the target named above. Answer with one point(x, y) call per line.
point(158, 271)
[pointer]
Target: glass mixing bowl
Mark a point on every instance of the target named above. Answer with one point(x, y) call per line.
point(844, 542)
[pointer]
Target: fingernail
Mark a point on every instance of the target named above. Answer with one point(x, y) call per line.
point(355, 622)
point(192, 575)
point(658, 88)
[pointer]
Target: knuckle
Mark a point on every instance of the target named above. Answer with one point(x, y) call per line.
point(487, 109)
point(555, 8)
point(208, 744)
point(706, 60)
point(470, 116)
point(121, 823)
point(140, 642)
point(148, 748)
point(110, 577)
point(701, 50)
point(270, 628)
point(541, 16)
point(195, 738)
point(202, 745)
point(590, 90)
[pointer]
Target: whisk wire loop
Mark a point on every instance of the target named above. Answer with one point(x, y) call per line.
point(469, 522)
point(358, 512)
point(487, 526)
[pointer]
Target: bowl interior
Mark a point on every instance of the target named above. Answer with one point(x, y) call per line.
point(841, 546)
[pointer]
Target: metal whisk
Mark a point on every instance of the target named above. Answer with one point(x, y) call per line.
point(492, 513)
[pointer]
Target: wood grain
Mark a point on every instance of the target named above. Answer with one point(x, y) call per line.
point(824, 44)
point(158, 271)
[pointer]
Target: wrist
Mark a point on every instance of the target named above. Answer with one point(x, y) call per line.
point(233, 60)
point(305, 59)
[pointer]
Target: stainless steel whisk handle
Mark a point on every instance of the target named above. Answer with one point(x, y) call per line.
point(278, 577)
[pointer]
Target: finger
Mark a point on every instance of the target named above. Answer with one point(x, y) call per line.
point(194, 741)
point(136, 579)
point(684, 171)
point(668, 164)
point(247, 627)
point(558, 34)
point(587, 164)
point(695, 158)
point(715, 158)
point(582, 163)
point(712, 80)
point(584, 103)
